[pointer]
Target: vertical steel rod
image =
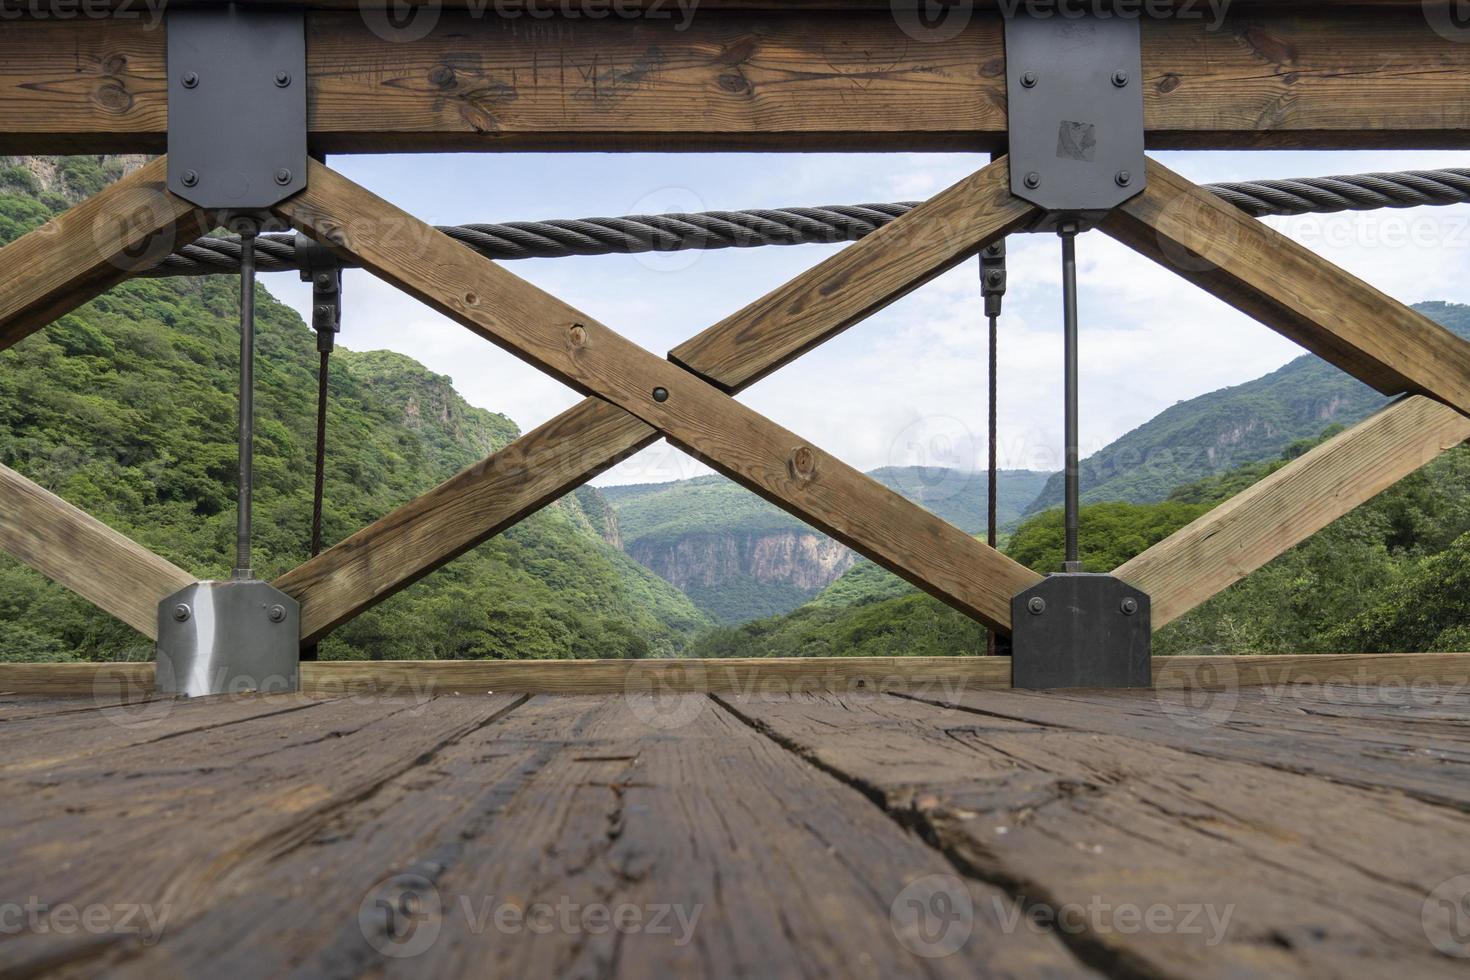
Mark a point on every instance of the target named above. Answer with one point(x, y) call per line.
point(243, 569)
point(1068, 233)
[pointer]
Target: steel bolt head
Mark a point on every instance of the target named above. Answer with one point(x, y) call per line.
point(278, 614)
point(1120, 78)
point(182, 613)
point(282, 79)
point(1029, 79)
point(660, 394)
point(190, 178)
point(1033, 180)
point(1124, 178)
point(283, 176)
point(1036, 606)
point(190, 79)
point(1129, 607)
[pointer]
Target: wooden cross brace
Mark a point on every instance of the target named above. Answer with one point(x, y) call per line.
point(1178, 224)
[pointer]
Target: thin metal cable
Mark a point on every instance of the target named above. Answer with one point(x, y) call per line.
point(825, 225)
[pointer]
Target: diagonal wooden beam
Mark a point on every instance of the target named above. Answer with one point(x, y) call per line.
point(1292, 290)
point(83, 251)
point(750, 449)
point(544, 465)
point(76, 550)
point(1289, 506)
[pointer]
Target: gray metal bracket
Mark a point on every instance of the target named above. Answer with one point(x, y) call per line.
point(236, 105)
point(321, 267)
point(1074, 86)
point(229, 638)
point(1076, 630)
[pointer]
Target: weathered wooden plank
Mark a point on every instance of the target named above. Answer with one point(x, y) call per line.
point(76, 550)
point(910, 675)
point(230, 797)
point(86, 249)
point(1277, 873)
point(750, 449)
point(1294, 291)
point(857, 282)
point(776, 79)
point(1283, 510)
point(1426, 758)
point(542, 465)
point(766, 866)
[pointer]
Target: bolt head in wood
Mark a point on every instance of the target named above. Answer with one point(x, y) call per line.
point(660, 395)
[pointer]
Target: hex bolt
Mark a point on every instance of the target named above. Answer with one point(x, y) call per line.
point(1124, 178)
point(996, 278)
point(324, 279)
point(1033, 180)
point(190, 178)
point(182, 613)
point(278, 614)
point(190, 79)
point(1129, 606)
point(660, 394)
point(1120, 78)
point(1028, 80)
point(1037, 605)
point(283, 176)
point(283, 79)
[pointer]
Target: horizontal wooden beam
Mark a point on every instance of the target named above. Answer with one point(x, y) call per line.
point(1289, 506)
point(763, 457)
point(1293, 290)
point(585, 440)
point(925, 676)
point(85, 250)
point(74, 549)
point(788, 79)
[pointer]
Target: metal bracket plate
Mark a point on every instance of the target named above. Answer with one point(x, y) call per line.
point(236, 105)
point(229, 638)
point(1075, 92)
point(1081, 631)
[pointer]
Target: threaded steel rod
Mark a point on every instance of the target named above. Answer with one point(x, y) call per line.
point(243, 569)
point(1069, 311)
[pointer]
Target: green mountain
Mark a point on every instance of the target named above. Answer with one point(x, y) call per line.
point(1227, 428)
point(126, 408)
point(739, 558)
point(1392, 576)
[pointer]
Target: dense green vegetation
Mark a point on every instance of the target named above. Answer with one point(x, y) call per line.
point(1217, 432)
point(1393, 576)
point(126, 408)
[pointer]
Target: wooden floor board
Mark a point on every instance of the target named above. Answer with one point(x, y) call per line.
point(766, 834)
point(1423, 754)
point(770, 867)
point(1316, 879)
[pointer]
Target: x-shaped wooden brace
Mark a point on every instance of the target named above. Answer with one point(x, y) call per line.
point(1178, 224)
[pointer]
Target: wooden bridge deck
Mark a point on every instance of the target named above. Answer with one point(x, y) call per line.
point(1299, 831)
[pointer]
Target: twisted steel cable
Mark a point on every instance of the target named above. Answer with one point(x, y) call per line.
point(635, 234)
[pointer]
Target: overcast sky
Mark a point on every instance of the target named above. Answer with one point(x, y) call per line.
point(907, 386)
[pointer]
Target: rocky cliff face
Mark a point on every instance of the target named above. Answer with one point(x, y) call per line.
point(804, 560)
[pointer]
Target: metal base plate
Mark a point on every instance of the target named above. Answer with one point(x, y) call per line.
point(1081, 631)
point(229, 638)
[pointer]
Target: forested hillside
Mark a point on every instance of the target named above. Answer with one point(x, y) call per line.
point(1392, 576)
point(739, 558)
point(1231, 427)
point(126, 408)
